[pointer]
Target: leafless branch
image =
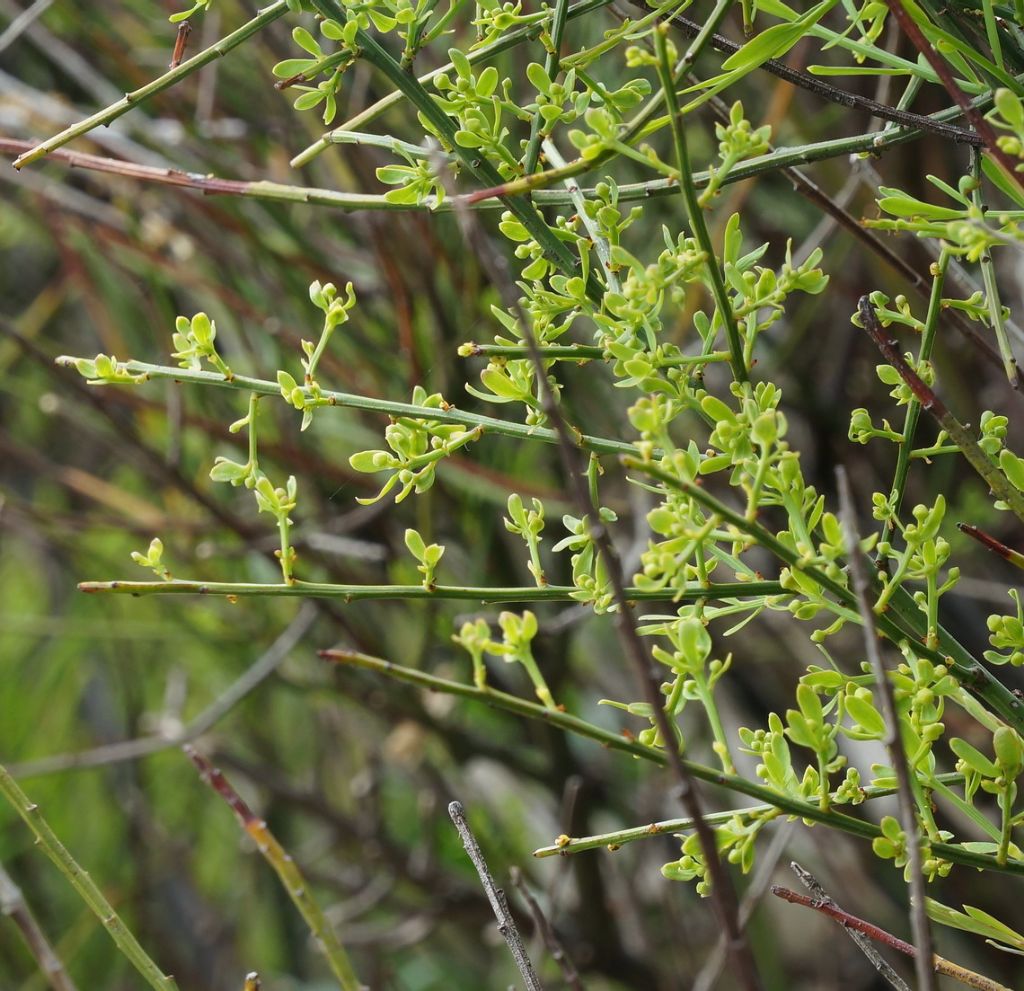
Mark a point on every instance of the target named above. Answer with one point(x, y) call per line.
point(14, 906)
point(547, 932)
point(809, 881)
point(506, 924)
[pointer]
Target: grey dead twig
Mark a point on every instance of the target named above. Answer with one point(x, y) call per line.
point(553, 944)
point(811, 883)
point(499, 904)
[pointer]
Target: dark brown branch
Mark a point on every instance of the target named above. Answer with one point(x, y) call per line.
point(834, 95)
point(942, 70)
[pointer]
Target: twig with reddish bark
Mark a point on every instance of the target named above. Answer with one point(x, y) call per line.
point(940, 964)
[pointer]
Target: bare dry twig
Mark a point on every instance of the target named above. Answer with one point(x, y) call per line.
point(547, 932)
point(14, 906)
point(499, 905)
point(812, 884)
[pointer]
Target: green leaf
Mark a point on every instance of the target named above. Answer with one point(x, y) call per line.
point(307, 42)
point(865, 715)
point(973, 758)
point(415, 544)
point(776, 41)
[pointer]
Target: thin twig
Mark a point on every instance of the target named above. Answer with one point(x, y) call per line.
point(285, 868)
point(988, 277)
point(695, 212)
point(611, 841)
point(328, 398)
point(554, 945)
point(506, 924)
point(831, 93)
point(551, 69)
point(940, 964)
point(168, 79)
point(925, 395)
point(942, 70)
point(913, 413)
point(893, 740)
point(14, 906)
point(473, 593)
point(239, 689)
point(87, 889)
point(812, 884)
point(997, 547)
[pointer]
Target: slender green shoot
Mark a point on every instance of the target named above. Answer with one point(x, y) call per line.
point(83, 884)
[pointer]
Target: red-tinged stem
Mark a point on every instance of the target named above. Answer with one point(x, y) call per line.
point(925, 395)
point(848, 921)
point(942, 70)
point(996, 546)
point(287, 871)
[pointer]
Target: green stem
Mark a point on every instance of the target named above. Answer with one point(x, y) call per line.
point(554, 250)
point(84, 885)
point(618, 837)
point(475, 57)
point(873, 142)
point(357, 593)
point(254, 464)
point(988, 275)
point(913, 413)
point(488, 424)
point(941, 788)
point(551, 63)
point(1006, 821)
point(695, 212)
point(968, 671)
point(540, 686)
point(168, 79)
point(612, 740)
point(583, 352)
point(707, 699)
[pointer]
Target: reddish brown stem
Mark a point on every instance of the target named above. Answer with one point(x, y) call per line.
point(848, 921)
point(942, 70)
point(184, 30)
point(996, 546)
point(923, 393)
point(213, 777)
